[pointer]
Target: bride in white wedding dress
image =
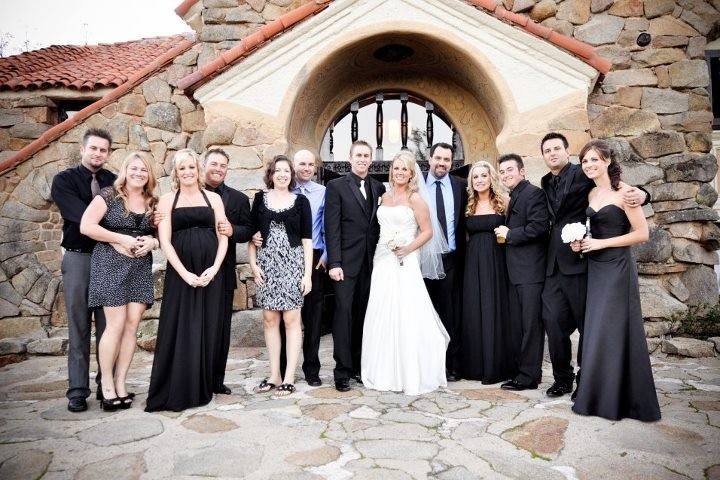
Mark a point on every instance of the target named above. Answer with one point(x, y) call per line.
point(404, 341)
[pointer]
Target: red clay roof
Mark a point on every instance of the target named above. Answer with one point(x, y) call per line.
point(250, 43)
point(58, 130)
point(82, 68)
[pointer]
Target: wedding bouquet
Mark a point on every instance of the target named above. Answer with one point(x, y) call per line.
point(572, 232)
point(394, 243)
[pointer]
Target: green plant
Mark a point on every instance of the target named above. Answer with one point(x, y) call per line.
point(701, 323)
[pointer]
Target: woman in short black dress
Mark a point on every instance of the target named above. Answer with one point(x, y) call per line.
point(617, 380)
point(190, 315)
point(121, 269)
point(282, 267)
point(487, 347)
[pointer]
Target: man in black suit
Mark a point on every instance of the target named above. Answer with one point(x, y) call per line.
point(351, 235)
point(527, 222)
point(565, 289)
point(238, 229)
point(450, 193)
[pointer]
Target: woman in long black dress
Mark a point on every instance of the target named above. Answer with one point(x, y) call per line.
point(121, 270)
point(487, 348)
point(617, 380)
point(182, 373)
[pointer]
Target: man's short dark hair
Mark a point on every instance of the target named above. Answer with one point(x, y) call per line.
point(96, 132)
point(512, 156)
point(217, 151)
point(360, 143)
point(442, 145)
point(552, 136)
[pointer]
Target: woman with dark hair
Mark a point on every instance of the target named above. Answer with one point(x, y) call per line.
point(282, 267)
point(121, 270)
point(487, 347)
point(617, 380)
point(190, 315)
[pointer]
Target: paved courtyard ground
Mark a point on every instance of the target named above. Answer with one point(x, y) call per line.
point(467, 431)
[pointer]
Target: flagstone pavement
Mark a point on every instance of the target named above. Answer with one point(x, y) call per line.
point(464, 432)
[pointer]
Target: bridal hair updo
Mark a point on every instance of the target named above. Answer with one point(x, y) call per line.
point(606, 153)
point(408, 159)
point(182, 156)
point(496, 189)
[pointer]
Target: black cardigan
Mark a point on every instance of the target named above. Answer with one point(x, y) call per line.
point(297, 219)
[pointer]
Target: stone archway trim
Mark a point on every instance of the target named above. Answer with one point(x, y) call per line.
point(252, 42)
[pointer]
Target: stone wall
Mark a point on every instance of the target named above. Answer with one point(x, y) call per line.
point(654, 104)
point(22, 120)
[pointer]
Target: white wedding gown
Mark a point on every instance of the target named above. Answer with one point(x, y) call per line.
point(404, 341)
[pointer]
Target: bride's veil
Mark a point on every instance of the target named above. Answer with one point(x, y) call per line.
point(430, 254)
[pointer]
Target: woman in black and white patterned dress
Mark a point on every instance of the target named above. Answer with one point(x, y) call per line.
point(282, 267)
point(121, 269)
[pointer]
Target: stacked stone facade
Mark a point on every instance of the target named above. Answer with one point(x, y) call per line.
point(22, 120)
point(653, 105)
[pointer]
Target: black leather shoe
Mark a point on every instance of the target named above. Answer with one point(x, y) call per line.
point(515, 385)
point(559, 389)
point(314, 381)
point(342, 385)
point(222, 389)
point(77, 404)
point(357, 378)
point(452, 376)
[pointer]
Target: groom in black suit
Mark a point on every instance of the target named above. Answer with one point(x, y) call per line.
point(351, 235)
point(526, 226)
point(565, 289)
point(448, 200)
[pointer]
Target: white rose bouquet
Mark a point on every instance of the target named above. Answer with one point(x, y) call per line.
point(572, 232)
point(394, 243)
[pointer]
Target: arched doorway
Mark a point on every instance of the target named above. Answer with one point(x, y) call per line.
point(391, 122)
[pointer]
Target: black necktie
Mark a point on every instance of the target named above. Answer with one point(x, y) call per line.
point(440, 207)
point(94, 185)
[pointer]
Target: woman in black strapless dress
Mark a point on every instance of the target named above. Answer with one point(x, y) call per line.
point(617, 380)
point(190, 316)
point(486, 347)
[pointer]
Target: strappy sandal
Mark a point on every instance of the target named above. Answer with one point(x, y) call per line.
point(264, 386)
point(285, 389)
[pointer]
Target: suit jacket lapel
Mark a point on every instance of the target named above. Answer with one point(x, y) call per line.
point(375, 194)
point(457, 196)
point(569, 179)
point(513, 198)
point(356, 193)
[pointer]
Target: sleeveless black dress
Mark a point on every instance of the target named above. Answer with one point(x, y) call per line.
point(617, 380)
point(182, 372)
point(486, 346)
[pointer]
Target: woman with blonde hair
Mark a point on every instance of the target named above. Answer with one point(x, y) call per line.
point(119, 218)
point(182, 373)
point(404, 341)
point(487, 348)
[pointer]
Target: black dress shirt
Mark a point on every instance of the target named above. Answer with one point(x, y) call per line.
point(71, 192)
point(557, 183)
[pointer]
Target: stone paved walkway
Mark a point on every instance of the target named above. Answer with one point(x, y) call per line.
point(467, 431)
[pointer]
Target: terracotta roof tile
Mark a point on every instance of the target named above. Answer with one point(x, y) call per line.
point(82, 68)
point(155, 64)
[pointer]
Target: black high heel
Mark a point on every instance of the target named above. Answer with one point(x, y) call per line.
point(126, 401)
point(108, 404)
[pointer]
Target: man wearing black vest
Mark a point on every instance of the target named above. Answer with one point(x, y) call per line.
point(525, 231)
point(565, 289)
point(238, 229)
